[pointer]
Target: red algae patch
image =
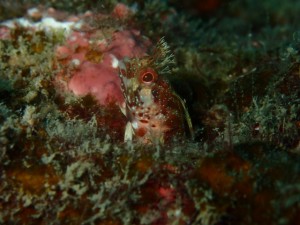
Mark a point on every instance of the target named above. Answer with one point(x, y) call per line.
point(91, 62)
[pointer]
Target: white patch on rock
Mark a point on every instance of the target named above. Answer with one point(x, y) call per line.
point(48, 24)
point(114, 61)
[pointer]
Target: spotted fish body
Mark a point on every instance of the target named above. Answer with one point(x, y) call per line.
point(155, 113)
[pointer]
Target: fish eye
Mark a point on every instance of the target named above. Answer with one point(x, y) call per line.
point(148, 76)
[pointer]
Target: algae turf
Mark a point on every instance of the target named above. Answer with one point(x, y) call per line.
point(63, 160)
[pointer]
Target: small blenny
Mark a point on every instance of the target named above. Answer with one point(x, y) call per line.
point(155, 113)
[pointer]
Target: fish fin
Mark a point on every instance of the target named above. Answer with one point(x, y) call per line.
point(128, 135)
point(123, 109)
point(186, 116)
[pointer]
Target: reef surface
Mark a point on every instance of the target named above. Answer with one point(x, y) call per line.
point(63, 159)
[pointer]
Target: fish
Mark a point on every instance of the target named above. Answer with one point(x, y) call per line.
point(155, 113)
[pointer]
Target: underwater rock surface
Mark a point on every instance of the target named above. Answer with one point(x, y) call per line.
point(63, 159)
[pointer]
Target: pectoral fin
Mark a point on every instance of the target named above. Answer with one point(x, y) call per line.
point(128, 135)
point(187, 116)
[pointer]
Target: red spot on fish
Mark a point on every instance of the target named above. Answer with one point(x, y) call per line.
point(141, 132)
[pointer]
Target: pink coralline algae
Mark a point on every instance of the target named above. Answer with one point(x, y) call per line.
point(92, 61)
point(4, 33)
point(121, 11)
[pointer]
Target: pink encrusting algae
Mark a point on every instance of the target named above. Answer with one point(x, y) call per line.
point(98, 75)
